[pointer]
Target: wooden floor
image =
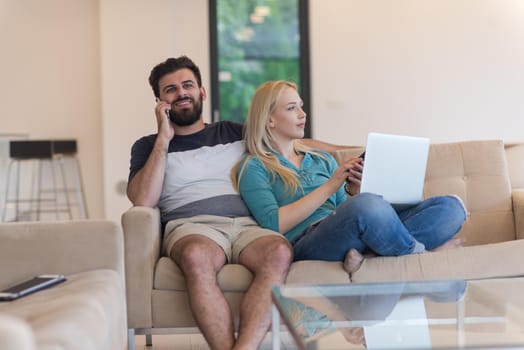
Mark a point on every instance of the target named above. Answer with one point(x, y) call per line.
point(172, 342)
point(197, 342)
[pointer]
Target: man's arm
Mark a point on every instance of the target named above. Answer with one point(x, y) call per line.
point(145, 186)
point(321, 145)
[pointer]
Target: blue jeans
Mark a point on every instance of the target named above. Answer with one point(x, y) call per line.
point(367, 222)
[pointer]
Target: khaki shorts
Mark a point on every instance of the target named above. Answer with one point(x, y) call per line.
point(231, 234)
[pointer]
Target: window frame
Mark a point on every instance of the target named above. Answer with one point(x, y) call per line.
point(304, 61)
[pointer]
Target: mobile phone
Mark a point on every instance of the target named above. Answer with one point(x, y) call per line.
point(30, 286)
point(170, 115)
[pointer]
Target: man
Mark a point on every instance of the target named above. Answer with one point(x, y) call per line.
point(184, 170)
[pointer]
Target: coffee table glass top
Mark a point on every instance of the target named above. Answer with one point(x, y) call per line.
point(448, 314)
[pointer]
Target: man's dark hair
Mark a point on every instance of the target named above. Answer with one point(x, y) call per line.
point(172, 65)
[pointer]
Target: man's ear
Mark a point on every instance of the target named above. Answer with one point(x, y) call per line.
point(203, 92)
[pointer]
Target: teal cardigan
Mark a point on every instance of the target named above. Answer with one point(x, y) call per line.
point(264, 194)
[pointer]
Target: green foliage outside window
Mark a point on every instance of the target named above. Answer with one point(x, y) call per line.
point(257, 41)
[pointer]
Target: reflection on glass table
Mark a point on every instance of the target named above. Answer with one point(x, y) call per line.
point(447, 314)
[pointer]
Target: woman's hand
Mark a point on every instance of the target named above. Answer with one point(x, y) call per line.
point(350, 172)
point(354, 167)
point(291, 214)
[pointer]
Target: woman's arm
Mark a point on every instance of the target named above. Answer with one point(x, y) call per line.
point(255, 187)
point(292, 214)
point(261, 194)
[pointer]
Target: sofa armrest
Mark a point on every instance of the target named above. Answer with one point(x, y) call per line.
point(142, 241)
point(66, 247)
point(517, 196)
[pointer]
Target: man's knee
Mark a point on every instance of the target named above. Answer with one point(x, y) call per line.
point(194, 252)
point(282, 251)
point(278, 254)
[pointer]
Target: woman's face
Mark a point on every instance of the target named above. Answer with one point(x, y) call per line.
point(288, 119)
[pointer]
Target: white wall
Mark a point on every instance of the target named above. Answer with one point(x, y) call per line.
point(50, 80)
point(135, 36)
point(446, 69)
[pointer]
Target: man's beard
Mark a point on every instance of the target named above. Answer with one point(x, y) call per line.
point(187, 117)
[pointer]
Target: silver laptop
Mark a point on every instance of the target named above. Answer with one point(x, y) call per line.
point(395, 167)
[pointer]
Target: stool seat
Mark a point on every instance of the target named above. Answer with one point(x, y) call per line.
point(64, 147)
point(51, 153)
point(41, 149)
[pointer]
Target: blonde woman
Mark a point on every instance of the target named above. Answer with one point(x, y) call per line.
point(301, 193)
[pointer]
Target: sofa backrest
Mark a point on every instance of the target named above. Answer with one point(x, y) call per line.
point(477, 171)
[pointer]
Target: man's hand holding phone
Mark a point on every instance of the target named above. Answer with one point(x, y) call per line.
point(165, 127)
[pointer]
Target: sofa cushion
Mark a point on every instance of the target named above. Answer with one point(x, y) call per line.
point(476, 171)
point(81, 313)
point(236, 278)
point(170, 300)
point(231, 278)
point(317, 272)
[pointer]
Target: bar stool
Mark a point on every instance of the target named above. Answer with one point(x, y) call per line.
point(67, 149)
point(40, 153)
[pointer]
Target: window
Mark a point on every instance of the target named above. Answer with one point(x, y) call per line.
point(253, 41)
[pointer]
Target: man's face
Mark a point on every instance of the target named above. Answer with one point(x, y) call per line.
point(181, 90)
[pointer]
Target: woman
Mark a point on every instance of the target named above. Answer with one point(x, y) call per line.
point(301, 193)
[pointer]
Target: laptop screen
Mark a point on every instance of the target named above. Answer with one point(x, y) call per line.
point(395, 167)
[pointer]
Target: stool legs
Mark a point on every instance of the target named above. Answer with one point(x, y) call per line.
point(36, 198)
point(60, 162)
point(79, 186)
point(6, 193)
point(38, 189)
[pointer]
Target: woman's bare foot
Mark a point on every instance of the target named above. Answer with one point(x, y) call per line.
point(354, 335)
point(451, 244)
point(353, 260)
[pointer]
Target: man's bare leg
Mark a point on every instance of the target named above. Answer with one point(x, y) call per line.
point(200, 259)
point(268, 258)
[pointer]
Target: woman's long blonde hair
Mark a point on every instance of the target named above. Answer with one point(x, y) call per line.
point(259, 138)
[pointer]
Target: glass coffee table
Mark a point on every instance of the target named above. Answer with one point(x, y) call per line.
point(447, 314)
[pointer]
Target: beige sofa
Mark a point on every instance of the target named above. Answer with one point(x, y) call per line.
point(487, 175)
point(87, 311)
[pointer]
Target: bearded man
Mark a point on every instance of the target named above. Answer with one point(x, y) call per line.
point(184, 170)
